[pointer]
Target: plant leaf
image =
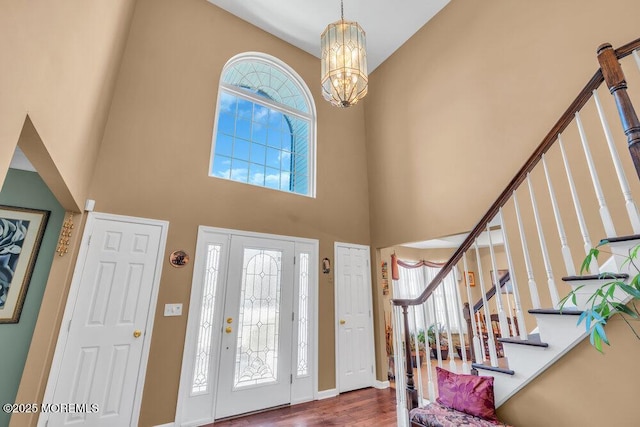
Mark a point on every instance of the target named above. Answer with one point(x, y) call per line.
point(630, 290)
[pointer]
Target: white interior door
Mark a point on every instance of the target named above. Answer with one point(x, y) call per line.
point(354, 349)
point(107, 317)
point(255, 359)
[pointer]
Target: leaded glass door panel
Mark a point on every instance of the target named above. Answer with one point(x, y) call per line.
point(255, 361)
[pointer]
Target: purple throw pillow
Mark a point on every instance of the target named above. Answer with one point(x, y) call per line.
point(470, 394)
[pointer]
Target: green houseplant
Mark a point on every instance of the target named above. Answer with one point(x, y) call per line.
point(420, 349)
point(436, 330)
point(614, 297)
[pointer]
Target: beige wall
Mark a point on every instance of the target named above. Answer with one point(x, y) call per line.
point(474, 91)
point(61, 59)
point(583, 388)
point(154, 163)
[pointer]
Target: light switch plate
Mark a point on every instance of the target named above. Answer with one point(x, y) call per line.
point(173, 310)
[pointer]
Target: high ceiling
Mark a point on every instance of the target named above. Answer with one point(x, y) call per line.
point(388, 24)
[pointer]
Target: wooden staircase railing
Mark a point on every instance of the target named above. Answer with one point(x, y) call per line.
point(611, 73)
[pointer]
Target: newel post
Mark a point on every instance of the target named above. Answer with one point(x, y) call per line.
point(615, 80)
point(412, 393)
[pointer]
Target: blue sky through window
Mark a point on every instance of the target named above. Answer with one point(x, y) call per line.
point(259, 145)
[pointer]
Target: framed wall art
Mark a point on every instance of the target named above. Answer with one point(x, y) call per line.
point(21, 232)
point(471, 278)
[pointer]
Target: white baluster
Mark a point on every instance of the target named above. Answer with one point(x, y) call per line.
point(502, 317)
point(593, 267)
point(607, 222)
point(514, 284)
point(436, 331)
point(493, 354)
point(400, 373)
point(431, 389)
point(566, 252)
point(630, 204)
point(452, 363)
point(480, 322)
point(417, 376)
point(462, 327)
point(512, 331)
point(637, 58)
point(553, 291)
point(533, 288)
point(475, 341)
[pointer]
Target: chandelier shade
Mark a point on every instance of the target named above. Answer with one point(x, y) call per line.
point(344, 63)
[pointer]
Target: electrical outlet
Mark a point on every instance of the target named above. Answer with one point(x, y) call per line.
point(173, 310)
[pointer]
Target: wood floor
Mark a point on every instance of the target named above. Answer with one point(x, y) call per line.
point(361, 408)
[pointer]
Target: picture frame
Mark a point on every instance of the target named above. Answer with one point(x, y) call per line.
point(471, 279)
point(21, 232)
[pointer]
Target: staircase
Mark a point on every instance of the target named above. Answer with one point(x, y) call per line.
point(579, 182)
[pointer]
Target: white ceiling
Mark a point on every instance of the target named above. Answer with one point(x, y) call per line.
point(388, 24)
point(454, 241)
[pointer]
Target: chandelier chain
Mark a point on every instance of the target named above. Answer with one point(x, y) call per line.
point(341, 10)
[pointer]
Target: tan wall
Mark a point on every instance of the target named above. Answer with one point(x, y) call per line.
point(61, 60)
point(474, 91)
point(155, 157)
point(584, 388)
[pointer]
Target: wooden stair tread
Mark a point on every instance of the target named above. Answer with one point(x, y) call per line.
point(620, 239)
point(566, 311)
point(534, 341)
point(603, 276)
point(492, 368)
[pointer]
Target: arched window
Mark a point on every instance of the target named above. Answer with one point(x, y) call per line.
point(264, 132)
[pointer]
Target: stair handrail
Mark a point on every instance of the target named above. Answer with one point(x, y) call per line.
point(491, 292)
point(632, 130)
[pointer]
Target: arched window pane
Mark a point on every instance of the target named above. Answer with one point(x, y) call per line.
point(265, 127)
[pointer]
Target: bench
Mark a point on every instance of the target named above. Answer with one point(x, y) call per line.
point(436, 415)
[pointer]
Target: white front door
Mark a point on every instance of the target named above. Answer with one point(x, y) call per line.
point(354, 352)
point(97, 362)
point(255, 361)
point(261, 289)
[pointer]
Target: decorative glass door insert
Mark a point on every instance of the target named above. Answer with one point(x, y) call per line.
point(258, 319)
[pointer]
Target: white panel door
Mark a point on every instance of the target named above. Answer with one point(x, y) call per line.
point(104, 346)
point(354, 351)
point(255, 359)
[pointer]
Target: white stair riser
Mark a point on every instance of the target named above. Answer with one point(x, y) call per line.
point(620, 252)
point(588, 287)
point(558, 330)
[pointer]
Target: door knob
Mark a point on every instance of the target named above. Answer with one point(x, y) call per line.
point(228, 329)
point(137, 333)
point(342, 322)
point(229, 320)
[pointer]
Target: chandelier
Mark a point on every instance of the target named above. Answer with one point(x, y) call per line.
point(344, 62)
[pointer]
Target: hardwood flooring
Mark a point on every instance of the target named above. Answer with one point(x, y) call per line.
point(360, 408)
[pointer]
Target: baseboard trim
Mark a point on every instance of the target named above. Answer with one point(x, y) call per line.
point(166, 425)
point(326, 394)
point(381, 384)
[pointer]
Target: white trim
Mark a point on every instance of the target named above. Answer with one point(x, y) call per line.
point(166, 425)
point(74, 289)
point(381, 385)
point(336, 314)
point(327, 394)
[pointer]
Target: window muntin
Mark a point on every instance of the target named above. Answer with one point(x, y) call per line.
point(264, 132)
